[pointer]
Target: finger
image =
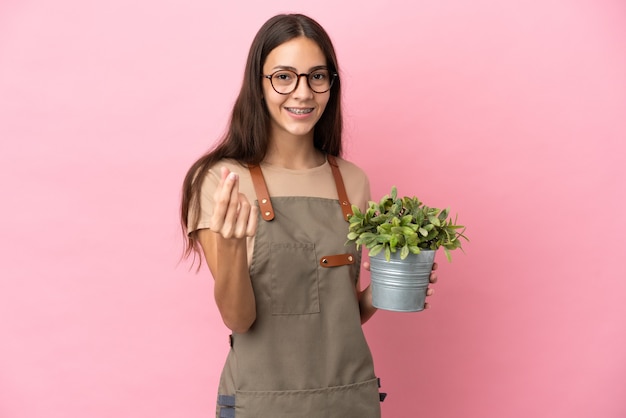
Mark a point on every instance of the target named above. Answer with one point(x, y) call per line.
point(366, 265)
point(435, 266)
point(241, 220)
point(243, 217)
point(426, 306)
point(430, 292)
point(253, 220)
point(224, 171)
point(432, 278)
point(232, 206)
point(221, 198)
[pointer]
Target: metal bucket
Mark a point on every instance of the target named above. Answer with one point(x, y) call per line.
point(400, 285)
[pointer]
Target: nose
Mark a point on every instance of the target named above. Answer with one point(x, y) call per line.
point(302, 89)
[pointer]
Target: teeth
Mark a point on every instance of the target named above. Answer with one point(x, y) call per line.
point(300, 111)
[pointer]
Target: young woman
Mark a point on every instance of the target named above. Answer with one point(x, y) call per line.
point(268, 208)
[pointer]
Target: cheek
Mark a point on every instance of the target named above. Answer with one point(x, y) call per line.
point(272, 102)
point(270, 97)
point(323, 103)
point(267, 90)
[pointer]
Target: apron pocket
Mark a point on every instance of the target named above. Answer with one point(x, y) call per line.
point(358, 400)
point(295, 283)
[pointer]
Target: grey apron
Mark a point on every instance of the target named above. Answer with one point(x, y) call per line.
point(305, 356)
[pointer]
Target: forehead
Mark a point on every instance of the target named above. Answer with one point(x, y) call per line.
point(301, 53)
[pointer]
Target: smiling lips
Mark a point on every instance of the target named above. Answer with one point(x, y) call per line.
point(299, 111)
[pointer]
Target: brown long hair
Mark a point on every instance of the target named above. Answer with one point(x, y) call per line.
point(246, 139)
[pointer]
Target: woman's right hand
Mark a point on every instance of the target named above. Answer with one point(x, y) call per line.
point(233, 215)
point(225, 249)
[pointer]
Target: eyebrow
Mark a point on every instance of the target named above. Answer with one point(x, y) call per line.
point(286, 67)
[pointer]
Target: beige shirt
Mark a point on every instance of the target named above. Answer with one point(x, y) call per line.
point(314, 182)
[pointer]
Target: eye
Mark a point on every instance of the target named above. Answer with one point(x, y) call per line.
point(283, 76)
point(321, 75)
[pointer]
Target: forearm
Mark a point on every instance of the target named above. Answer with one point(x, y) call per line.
point(366, 307)
point(234, 296)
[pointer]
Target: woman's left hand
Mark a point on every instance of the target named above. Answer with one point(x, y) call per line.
point(432, 279)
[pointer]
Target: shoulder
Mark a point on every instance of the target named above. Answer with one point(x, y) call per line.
point(214, 172)
point(213, 175)
point(232, 165)
point(356, 182)
point(350, 169)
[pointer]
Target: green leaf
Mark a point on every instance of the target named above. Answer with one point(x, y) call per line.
point(377, 220)
point(412, 240)
point(434, 220)
point(414, 249)
point(393, 242)
point(354, 223)
point(375, 250)
point(404, 252)
point(366, 236)
point(383, 238)
point(407, 231)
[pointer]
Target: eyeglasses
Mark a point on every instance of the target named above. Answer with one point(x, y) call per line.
point(286, 81)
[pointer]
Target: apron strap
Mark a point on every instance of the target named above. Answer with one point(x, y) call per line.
point(262, 195)
point(346, 207)
point(265, 203)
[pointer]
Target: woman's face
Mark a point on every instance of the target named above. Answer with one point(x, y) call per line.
point(294, 114)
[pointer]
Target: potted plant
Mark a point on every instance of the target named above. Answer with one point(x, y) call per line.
point(402, 236)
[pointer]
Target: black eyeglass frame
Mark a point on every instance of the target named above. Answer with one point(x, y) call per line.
point(332, 75)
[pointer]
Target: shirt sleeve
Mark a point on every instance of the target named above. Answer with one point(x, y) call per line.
point(207, 203)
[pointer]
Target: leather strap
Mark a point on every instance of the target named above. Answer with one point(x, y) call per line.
point(346, 207)
point(262, 195)
point(336, 260)
point(265, 203)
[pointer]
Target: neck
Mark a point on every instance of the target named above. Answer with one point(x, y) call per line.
point(295, 153)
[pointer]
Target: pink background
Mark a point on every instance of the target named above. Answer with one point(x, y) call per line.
point(510, 112)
